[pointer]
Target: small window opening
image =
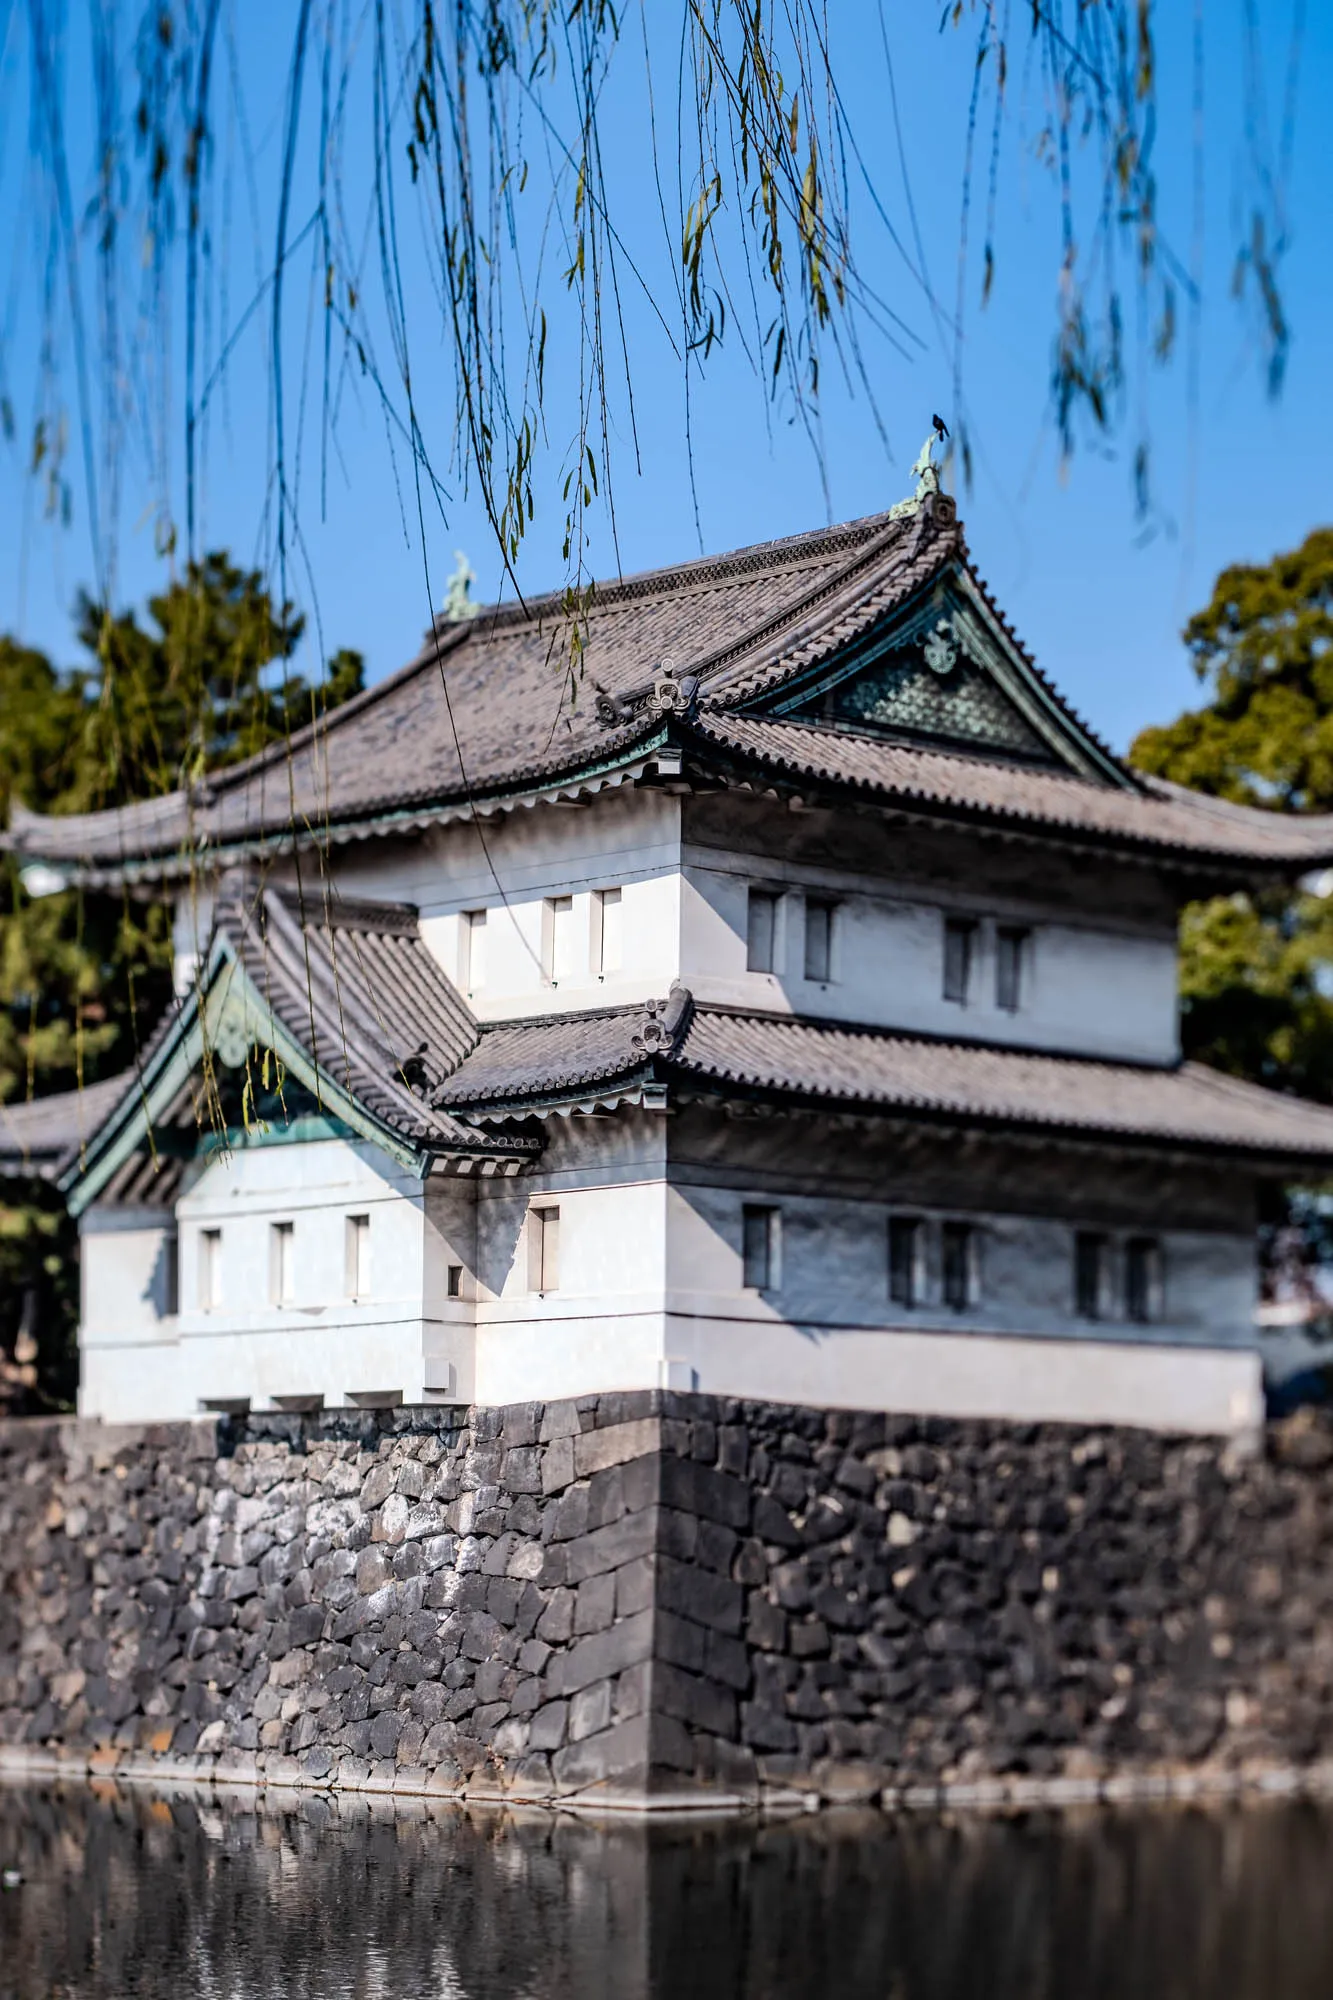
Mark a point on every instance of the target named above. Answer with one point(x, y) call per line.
point(472, 950)
point(358, 1256)
point(1090, 1251)
point(1143, 1279)
point(544, 1250)
point(759, 1247)
point(1011, 952)
point(819, 939)
point(957, 1259)
point(210, 1269)
point(905, 1237)
point(281, 1239)
point(606, 932)
point(761, 937)
point(171, 1274)
point(959, 937)
point(559, 958)
point(454, 1281)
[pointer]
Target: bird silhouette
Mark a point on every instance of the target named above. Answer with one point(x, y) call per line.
point(413, 1070)
point(941, 428)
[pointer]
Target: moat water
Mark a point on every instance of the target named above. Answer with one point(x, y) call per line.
point(125, 1894)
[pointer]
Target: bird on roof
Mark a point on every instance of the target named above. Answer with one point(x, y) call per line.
point(941, 428)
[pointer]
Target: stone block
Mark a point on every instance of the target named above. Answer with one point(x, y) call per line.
point(590, 1711)
point(615, 1444)
point(608, 1547)
point(700, 1595)
point(619, 1753)
point(559, 1420)
point(636, 1586)
point(557, 1467)
point(595, 1604)
point(602, 1655)
point(698, 1489)
point(697, 1702)
point(556, 1623)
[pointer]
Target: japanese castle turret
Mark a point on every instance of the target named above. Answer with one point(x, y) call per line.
point(784, 1007)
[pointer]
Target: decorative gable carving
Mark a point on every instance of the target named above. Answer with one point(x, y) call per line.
point(944, 672)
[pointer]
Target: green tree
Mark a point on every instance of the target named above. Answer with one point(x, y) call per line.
point(1257, 969)
point(203, 682)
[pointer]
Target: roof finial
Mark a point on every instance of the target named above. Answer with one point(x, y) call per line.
point(924, 471)
point(458, 603)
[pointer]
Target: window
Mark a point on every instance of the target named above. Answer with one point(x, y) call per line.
point(959, 933)
point(819, 939)
point(606, 932)
point(957, 1256)
point(281, 1237)
point(759, 1247)
point(1011, 951)
point(210, 1269)
point(543, 1249)
point(905, 1240)
point(559, 959)
point(1089, 1274)
point(453, 1281)
point(357, 1247)
point(761, 935)
point(472, 950)
point(1143, 1279)
point(171, 1275)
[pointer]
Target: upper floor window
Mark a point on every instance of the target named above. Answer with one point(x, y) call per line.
point(209, 1276)
point(171, 1275)
point(759, 1246)
point(559, 954)
point(761, 936)
point(1091, 1263)
point(472, 950)
point(357, 1252)
point(905, 1245)
point(453, 1281)
point(958, 1265)
point(607, 934)
point(819, 916)
point(1143, 1279)
point(959, 939)
point(1012, 947)
point(281, 1275)
point(543, 1249)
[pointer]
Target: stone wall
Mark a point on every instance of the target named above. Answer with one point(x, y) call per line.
point(638, 1596)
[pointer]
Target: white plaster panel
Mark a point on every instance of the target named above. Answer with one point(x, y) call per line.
point(123, 1383)
point(124, 1275)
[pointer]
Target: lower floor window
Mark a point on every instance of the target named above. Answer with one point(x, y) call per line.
point(904, 1259)
point(957, 1254)
point(1089, 1274)
point(759, 1247)
point(1143, 1279)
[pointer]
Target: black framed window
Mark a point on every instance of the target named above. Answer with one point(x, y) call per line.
point(759, 1246)
point(959, 942)
point(957, 1250)
point(1012, 946)
point(1090, 1257)
point(819, 938)
point(761, 936)
point(904, 1255)
point(1143, 1268)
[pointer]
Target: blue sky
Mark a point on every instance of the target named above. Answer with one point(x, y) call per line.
point(1099, 597)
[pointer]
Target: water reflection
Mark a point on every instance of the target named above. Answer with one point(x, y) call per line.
point(123, 1894)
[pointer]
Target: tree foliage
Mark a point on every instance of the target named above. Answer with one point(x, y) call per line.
point(1257, 970)
point(203, 681)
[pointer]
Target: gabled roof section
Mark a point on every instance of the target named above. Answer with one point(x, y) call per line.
point(350, 1002)
point(41, 1137)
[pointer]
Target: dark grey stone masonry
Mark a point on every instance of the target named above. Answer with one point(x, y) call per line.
point(641, 1596)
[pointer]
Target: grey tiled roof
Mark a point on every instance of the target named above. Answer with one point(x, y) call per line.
point(1157, 815)
point(38, 1138)
point(868, 1069)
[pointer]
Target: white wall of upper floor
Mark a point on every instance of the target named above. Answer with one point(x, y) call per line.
point(559, 908)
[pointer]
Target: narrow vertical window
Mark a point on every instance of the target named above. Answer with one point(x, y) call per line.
point(761, 934)
point(959, 936)
point(453, 1283)
point(357, 1248)
point(819, 939)
point(1143, 1279)
point(606, 932)
point(559, 958)
point(1089, 1274)
point(1012, 946)
point(759, 1247)
point(472, 950)
point(210, 1269)
point(171, 1275)
point(904, 1257)
point(543, 1249)
point(281, 1238)
point(957, 1256)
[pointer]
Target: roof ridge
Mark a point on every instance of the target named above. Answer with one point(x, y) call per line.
point(876, 1031)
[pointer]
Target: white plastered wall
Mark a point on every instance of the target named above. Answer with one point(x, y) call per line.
point(128, 1335)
